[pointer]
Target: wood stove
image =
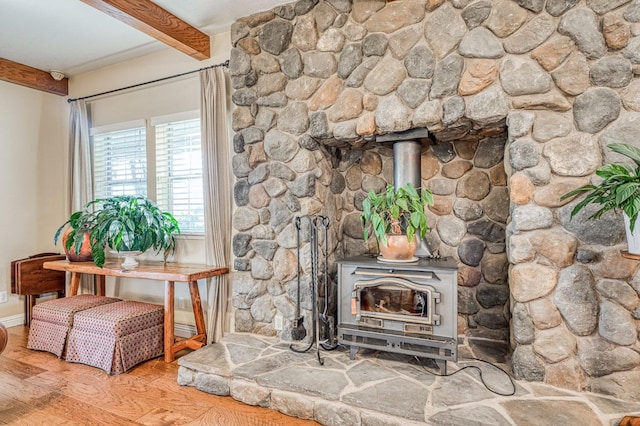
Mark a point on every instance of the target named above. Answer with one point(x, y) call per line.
point(408, 308)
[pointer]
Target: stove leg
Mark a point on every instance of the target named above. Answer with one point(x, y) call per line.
point(442, 364)
point(352, 352)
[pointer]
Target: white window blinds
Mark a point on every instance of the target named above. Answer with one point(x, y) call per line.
point(120, 159)
point(179, 170)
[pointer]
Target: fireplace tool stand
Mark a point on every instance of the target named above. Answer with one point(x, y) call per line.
point(320, 321)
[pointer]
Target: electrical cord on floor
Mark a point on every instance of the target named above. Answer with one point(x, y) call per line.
point(301, 351)
point(479, 370)
point(323, 344)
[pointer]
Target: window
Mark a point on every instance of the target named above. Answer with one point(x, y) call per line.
point(160, 158)
point(179, 172)
point(120, 160)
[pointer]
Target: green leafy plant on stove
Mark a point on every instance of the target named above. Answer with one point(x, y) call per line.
point(121, 223)
point(396, 212)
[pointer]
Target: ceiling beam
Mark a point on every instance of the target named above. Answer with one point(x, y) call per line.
point(34, 78)
point(151, 19)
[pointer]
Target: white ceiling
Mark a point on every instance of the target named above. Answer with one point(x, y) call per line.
point(72, 37)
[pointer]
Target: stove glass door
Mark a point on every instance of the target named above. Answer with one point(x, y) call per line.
point(395, 299)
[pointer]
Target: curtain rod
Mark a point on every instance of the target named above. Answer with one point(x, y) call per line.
point(222, 64)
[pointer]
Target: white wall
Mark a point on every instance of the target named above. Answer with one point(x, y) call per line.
point(32, 168)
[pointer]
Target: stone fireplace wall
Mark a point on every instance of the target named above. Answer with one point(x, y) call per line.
point(316, 81)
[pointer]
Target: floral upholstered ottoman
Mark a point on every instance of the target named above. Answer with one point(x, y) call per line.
point(117, 336)
point(53, 319)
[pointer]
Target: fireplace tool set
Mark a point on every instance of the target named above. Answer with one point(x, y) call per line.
point(322, 324)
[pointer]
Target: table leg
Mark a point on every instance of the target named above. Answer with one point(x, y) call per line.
point(100, 284)
point(75, 283)
point(169, 339)
point(197, 310)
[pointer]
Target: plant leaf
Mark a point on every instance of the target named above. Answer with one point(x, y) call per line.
point(625, 191)
point(627, 150)
point(402, 208)
point(577, 191)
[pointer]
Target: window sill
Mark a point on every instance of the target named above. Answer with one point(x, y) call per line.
point(187, 237)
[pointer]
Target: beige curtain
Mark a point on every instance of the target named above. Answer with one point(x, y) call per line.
point(80, 166)
point(217, 194)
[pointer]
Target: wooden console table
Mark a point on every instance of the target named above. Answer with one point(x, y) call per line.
point(159, 271)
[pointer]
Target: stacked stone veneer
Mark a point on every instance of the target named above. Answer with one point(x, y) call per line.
point(316, 81)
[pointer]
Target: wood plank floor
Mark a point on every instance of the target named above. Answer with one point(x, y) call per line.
point(37, 388)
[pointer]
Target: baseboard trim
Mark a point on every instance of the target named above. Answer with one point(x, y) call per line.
point(13, 320)
point(184, 330)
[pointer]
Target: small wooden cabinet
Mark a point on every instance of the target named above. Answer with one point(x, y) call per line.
point(31, 280)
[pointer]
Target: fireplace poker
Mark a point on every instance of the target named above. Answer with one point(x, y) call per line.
point(313, 242)
point(328, 322)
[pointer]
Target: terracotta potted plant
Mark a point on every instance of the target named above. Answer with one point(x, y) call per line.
point(395, 217)
point(619, 190)
point(78, 247)
point(126, 225)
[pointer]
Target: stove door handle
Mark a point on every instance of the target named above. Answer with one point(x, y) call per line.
point(354, 303)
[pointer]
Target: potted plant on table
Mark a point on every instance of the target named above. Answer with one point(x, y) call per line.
point(75, 239)
point(124, 224)
point(396, 216)
point(619, 190)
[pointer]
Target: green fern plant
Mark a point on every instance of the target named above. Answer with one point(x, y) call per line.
point(619, 189)
point(396, 212)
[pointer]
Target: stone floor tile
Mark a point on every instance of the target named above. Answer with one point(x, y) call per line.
point(271, 351)
point(471, 416)
point(458, 389)
point(262, 365)
point(330, 363)
point(240, 354)
point(540, 389)
point(342, 356)
point(311, 381)
point(286, 346)
point(545, 412)
point(246, 340)
point(398, 397)
point(495, 379)
point(209, 359)
point(610, 405)
point(419, 370)
point(366, 371)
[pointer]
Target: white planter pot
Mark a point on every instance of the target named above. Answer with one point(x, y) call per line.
point(633, 239)
point(129, 257)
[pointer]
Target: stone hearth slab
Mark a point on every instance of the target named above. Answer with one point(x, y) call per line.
point(473, 416)
point(384, 389)
point(391, 396)
point(562, 412)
